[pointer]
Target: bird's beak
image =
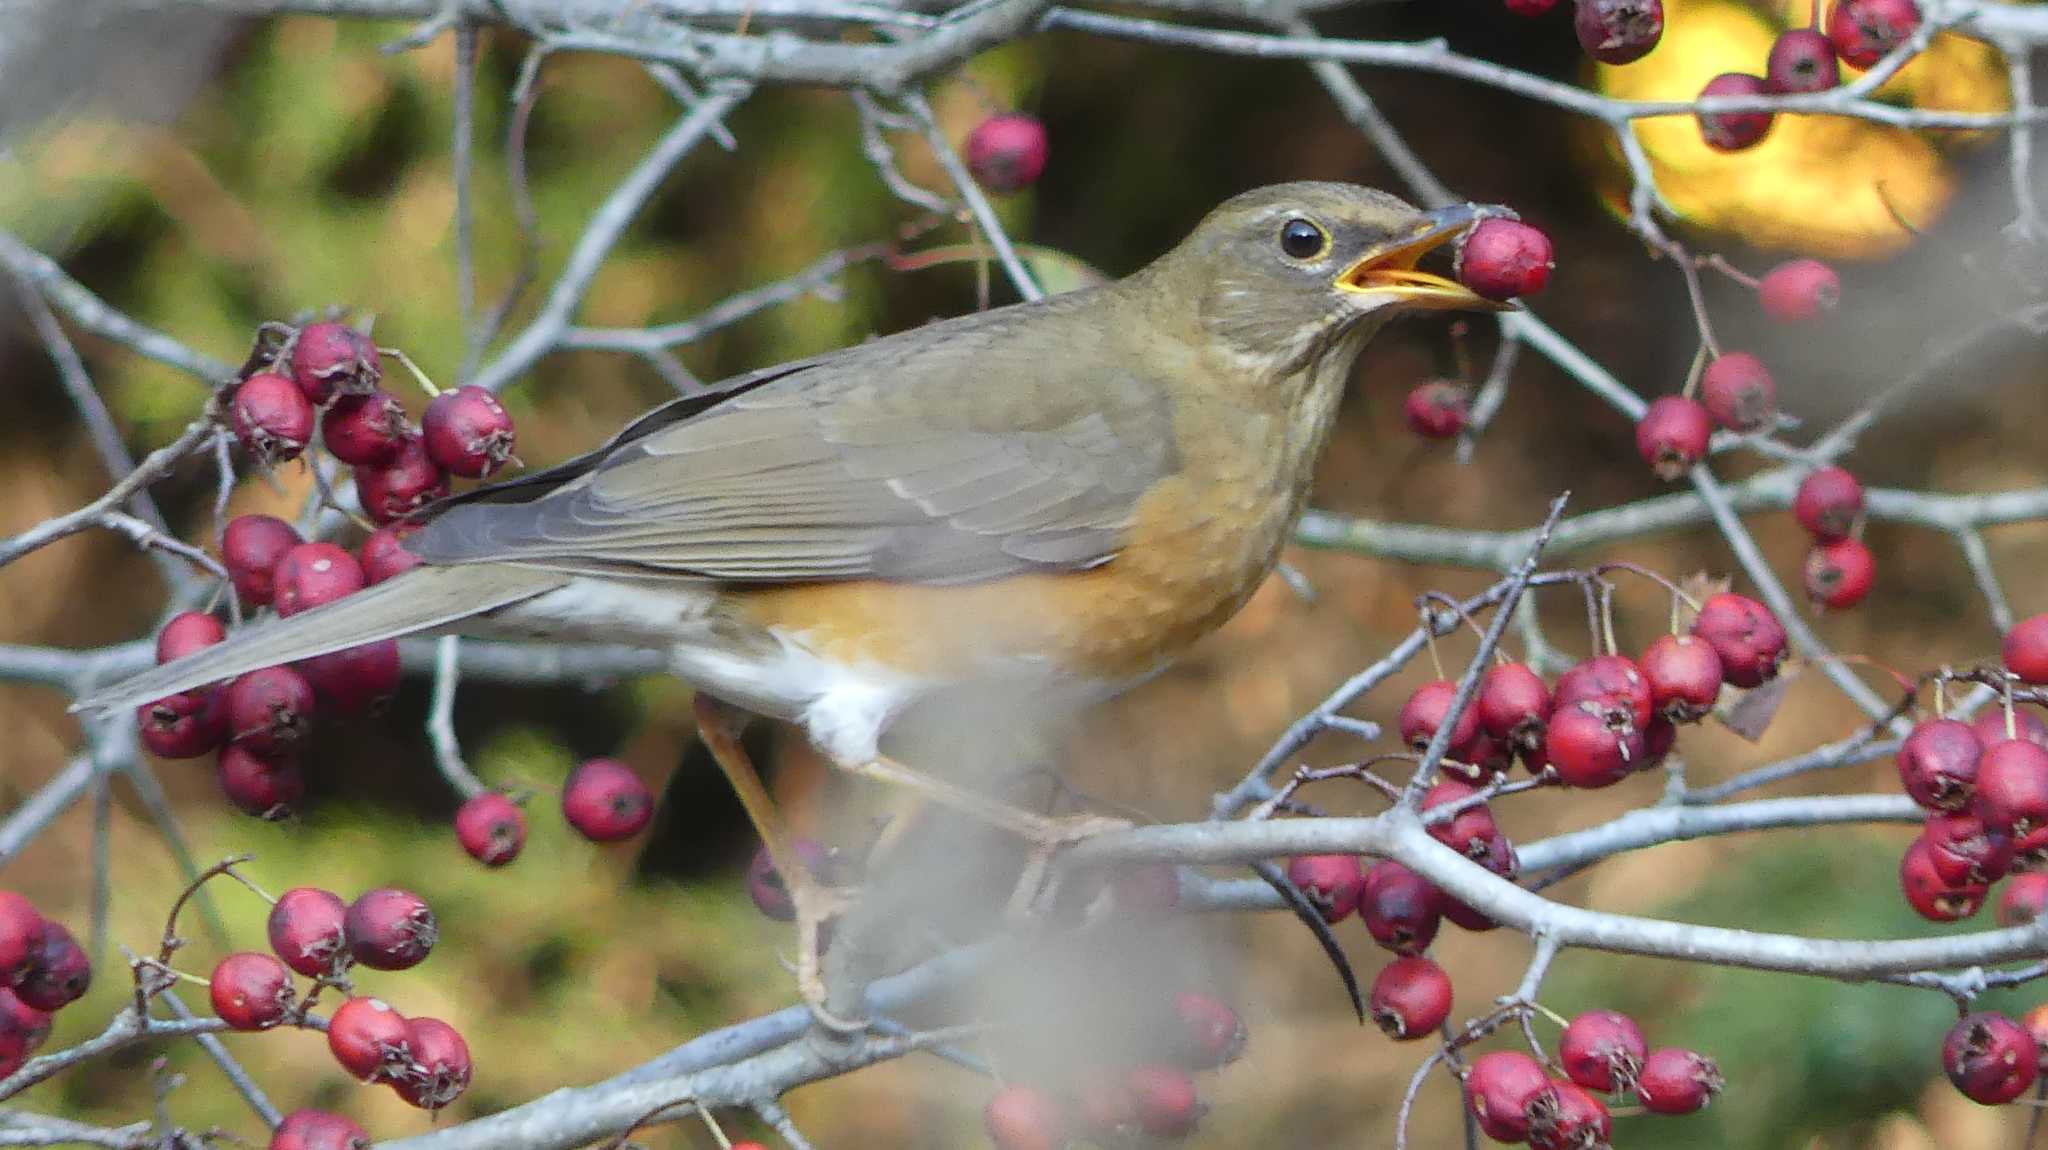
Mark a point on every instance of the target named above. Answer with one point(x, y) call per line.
point(1388, 270)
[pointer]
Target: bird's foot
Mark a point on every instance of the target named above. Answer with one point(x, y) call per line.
point(1049, 833)
point(817, 907)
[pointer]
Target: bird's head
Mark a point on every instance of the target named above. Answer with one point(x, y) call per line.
point(1282, 275)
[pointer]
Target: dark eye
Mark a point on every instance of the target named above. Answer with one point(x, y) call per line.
point(1302, 239)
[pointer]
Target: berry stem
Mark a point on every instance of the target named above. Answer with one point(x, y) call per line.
point(1645, 572)
point(426, 385)
point(1692, 374)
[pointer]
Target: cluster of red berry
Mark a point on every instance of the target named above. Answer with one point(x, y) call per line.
point(1858, 33)
point(1501, 260)
point(42, 970)
point(1840, 569)
point(1514, 1099)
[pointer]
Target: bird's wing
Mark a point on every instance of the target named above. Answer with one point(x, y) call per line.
point(1008, 442)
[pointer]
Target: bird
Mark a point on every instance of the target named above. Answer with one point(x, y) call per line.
point(1058, 496)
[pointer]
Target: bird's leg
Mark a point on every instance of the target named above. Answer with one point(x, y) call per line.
point(1044, 832)
point(816, 904)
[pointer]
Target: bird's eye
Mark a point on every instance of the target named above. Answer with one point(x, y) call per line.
point(1302, 239)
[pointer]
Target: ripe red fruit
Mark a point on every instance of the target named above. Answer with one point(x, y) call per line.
point(1210, 1033)
point(2012, 786)
point(1007, 153)
point(390, 929)
point(1990, 727)
point(1798, 290)
point(1839, 574)
point(307, 931)
point(1801, 60)
point(21, 936)
point(1745, 634)
point(369, 1039)
point(491, 828)
point(364, 430)
point(2023, 899)
point(271, 417)
point(183, 726)
point(355, 680)
point(1164, 1099)
point(1410, 998)
point(1437, 409)
point(331, 357)
point(1938, 764)
point(270, 710)
point(1602, 1050)
point(1566, 1117)
point(1675, 1081)
point(605, 801)
point(410, 481)
point(1734, 131)
point(766, 887)
point(1471, 832)
point(383, 554)
point(1499, 1088)
point(318, 1130)
point(438, 1068)
point(187, 632)
point(1618, 31)
point(1331, 882)
point(312, 574)
point(1513, 704)
point(1425, 711)
point(58, 970)
point(1932, 897)
point(1025, 1118)
point(1587, 750)
point(2025, 651)
point(23, 1028)
point(1613, 682)
point(1990, 1058)
point(1829, 503)
point(1501, 259)
point(1673, 435)
point(1963, 851)
point(1864, 31)
point(251, 991)
point(1739, 393)
point(250, 549)
point(1529, 7)
point(467, 432)
point(255, 785)
point(1684, 676)
point(1400, 908)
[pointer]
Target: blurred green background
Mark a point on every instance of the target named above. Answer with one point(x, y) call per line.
point(304, 169)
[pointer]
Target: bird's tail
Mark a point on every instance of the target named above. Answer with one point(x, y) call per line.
point(419, 600)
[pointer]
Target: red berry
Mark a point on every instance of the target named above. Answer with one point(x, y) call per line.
point(369, 1039)
point(1499, 1088)
point(355, 680)
point(1025, 1118)
point(390, 929)
point(251, 991)
point(272, 419)
point(1410, 998)
point(491, 828)
point(1425, 711)
point(1932, 897)
point(1684, 675)
point(1437, 409)
point(1990, 727)
point(1673, 435)
point(187, 632)
point(2023, 899)
point(307, 931)
point(1990, 1058)
point(1739, 393)
point(1602, 1050)
point(1829, 503)
point(1734, 131)
point(1210, 1033)
point(313, 574)
point(264, 787)
point(1798, 290)
point(1801, 60)
point(468, 432)
point(1938, 764)
point(1471, 832)
point(1331, 882)
point(331, 357)
point(1745, 634)
point(1400, 908)
point(1964, 851)
point(438, 1068)
point(269, 710)
point(605, 801)
point(766, 887)
point(1007, 153)
point(318, 1130)
point(383, 554)
point(183, 726)
point(1675, 1081)
point(58, 971)
point(2025, 651)
point(364, 430)
point(1529, 7)
point(23, 1028)
point(250, 549)
point(394, 490)
point(2012, 786)
point(1614, 682)
point(21, 936)
point(1618, 31)
point(1839, 574)
point(1513, 704)
point(1501, 259)
point(1164, 1100)
point(1566, 1117)
point(1865, 31)
point(1588, 750)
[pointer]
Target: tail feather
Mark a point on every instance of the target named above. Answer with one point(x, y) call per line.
point(419, 600)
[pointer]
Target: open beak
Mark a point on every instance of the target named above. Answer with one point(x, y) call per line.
point(1389, 269)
